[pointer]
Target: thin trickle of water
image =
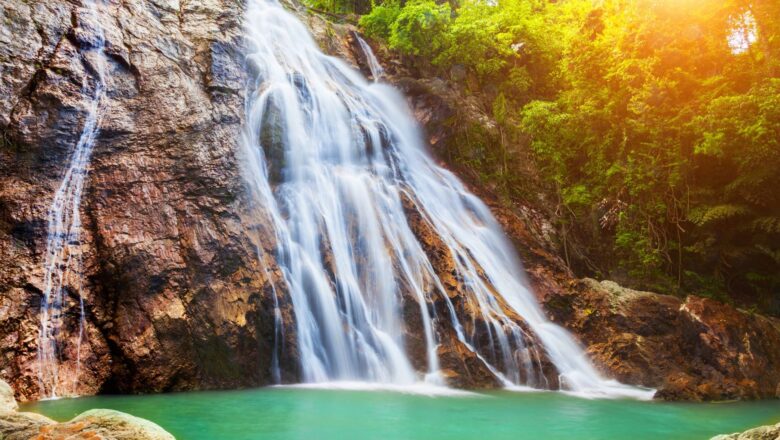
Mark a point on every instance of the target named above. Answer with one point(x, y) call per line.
point(63, 259)
point(377, 72)
point(338, 162)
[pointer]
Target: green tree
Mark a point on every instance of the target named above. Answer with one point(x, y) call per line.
point(419, 27)
point(654, 125)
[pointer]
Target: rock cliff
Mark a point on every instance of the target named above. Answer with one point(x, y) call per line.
point(177, 273)
point(174, 292)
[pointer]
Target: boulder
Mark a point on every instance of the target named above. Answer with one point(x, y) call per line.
point(7, 400)
point(771, 432)
point(23, 426)
point(104, 424)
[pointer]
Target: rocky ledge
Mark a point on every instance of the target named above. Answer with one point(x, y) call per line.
point(689, 349)
point(101, 424)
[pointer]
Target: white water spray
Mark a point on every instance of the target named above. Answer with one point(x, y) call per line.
point(335, 159)
point(63, 259)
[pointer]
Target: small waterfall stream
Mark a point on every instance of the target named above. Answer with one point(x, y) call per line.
point(63, 259)
point(373, 64)
point(337, 161)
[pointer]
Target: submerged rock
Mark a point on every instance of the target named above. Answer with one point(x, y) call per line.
point(771, 432)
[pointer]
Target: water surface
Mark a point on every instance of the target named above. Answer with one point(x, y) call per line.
point(294, 413)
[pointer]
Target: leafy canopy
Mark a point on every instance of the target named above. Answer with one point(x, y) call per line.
point(654, 124)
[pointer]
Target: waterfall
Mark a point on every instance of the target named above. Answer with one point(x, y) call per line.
point(63, 263)
point(373, 64)
point(337, 162)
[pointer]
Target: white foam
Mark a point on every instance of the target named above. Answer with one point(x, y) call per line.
point(608, 390)
point(420, 388)
point(615, 390)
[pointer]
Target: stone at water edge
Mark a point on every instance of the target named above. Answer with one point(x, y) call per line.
point(688, 349)
point(15, 425)
point(769, 432)
point(23, 426)
point(7, 400)
point(108, 424)
point(103, 424)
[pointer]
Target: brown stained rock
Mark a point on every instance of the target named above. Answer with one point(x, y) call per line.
point(697, 349)
point(175, 295)
point(462, 367)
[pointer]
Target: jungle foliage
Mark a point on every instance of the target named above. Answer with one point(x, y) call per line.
point(654, 123)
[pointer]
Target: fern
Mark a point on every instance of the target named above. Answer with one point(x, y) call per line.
point(774, 254)
point(709, 215)
point(767, 225)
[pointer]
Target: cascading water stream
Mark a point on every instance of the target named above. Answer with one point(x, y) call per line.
point(373, 64)
point(63, 264)
point(337, 162)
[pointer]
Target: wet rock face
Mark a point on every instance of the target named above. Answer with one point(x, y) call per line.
point(693, 349)
point(461, 366)
point(174, 292)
